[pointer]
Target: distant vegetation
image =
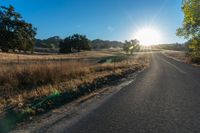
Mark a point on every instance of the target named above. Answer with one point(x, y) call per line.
point(176, 46)
point(131, 46)
point(105, 44)
point(73, 43)
point(52, 42)
point(15, 33)
point(191, 28)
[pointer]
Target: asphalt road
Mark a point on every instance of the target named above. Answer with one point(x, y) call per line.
point(165, 98)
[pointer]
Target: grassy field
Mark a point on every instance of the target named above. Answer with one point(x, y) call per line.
point(84, 56)
point(32, 83)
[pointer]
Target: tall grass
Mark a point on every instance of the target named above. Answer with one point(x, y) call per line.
point(20, 77)
point(22, 83)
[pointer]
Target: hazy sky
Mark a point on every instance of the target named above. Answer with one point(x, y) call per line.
point(104, 19)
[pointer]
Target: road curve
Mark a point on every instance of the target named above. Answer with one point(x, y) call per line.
point(163, 99)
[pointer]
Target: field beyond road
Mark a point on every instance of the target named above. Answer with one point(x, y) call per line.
point(34, 84)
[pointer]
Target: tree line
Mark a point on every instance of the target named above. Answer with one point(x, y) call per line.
point(78, 42)
point(97, 44)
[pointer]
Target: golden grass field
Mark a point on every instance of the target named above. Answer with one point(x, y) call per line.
point(10, 57)
point(25, 78)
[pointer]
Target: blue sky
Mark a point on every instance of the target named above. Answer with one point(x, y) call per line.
point(104, 19)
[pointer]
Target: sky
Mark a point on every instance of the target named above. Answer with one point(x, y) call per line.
point(103, 19)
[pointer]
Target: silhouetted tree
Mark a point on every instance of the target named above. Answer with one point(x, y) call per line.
point(66, 45)
point(75, 42)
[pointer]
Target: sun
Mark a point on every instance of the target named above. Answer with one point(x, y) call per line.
point(148, 36)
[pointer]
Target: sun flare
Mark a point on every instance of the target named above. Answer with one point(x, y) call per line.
point(148, 36)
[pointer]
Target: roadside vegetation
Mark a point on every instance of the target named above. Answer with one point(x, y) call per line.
point(191, 28)
point(188, 52)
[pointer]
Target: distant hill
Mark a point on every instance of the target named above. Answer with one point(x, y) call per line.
point(52, 42)
point(105, 44)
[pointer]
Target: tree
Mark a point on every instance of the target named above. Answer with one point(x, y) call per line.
point(15, 33)
point(80, 42)
point(75, 42)
point(191, 25)
point(66, 45)
point(131, 46)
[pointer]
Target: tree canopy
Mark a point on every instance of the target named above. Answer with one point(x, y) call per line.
point(75, 42)
point(15, 33)
point(191, 26)
point(191, 23)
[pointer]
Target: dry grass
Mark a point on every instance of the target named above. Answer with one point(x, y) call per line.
point(20, 58)
point(177, 55)
point(22, 83)
point(183, 57)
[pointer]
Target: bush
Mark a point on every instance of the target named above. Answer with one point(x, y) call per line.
point(195, 59)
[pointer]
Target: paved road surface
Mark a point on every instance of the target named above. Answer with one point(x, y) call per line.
point(163, 99)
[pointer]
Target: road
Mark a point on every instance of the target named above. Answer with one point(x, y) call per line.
point(165, 98)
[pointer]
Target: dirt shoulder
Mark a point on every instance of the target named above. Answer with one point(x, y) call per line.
point(180, 56)
point(176, 55)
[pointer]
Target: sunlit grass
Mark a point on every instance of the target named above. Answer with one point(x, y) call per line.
point(22, 83)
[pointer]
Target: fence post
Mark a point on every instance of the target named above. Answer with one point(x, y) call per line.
point(18, 59)
point(127, 59)
point(61, 64)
